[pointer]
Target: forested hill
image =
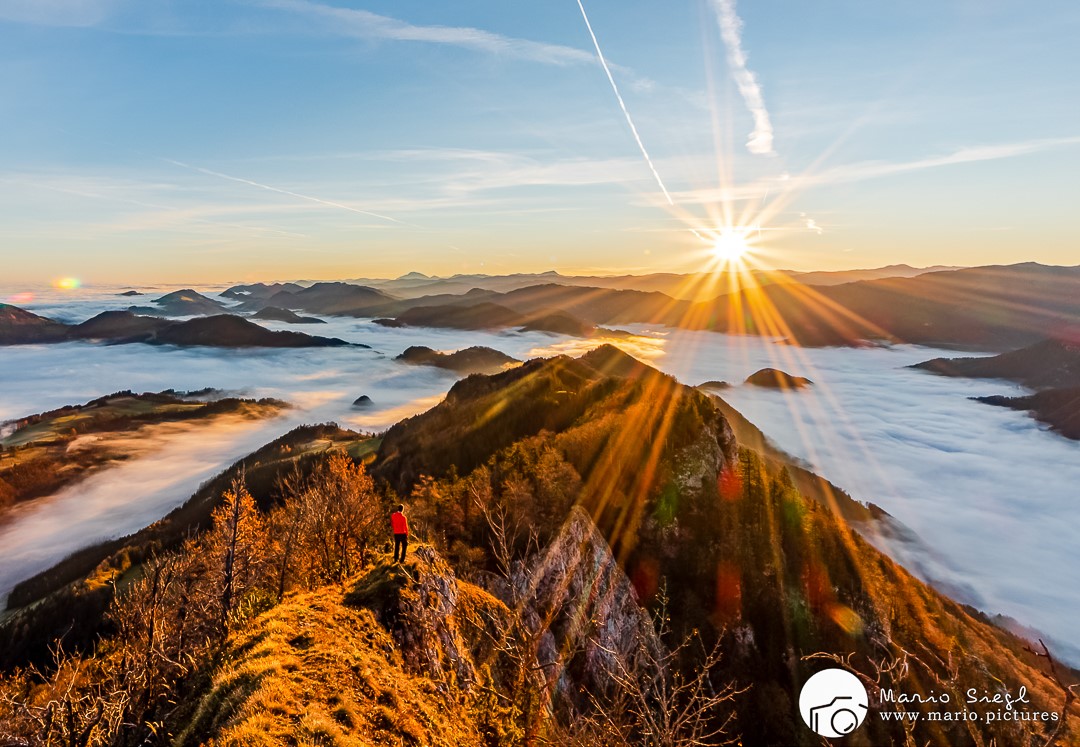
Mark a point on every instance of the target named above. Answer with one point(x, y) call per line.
point(593, 554)
point(721, 533)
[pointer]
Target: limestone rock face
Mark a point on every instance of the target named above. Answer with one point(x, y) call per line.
point(570, 613)
point(444, 628)
point(701, 461)
point(585, 610)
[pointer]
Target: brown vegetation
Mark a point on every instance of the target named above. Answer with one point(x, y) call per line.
point(44, 453)
point(554, 502)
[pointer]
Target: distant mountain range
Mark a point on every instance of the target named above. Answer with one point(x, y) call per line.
point(984, 308)
point(688, 286)
point(18, 327)
point(186, 302)
point(989, 308)
point(1044, 365)
point(1052, 366)
point(1058, 408)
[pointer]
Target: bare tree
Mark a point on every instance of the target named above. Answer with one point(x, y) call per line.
point(1068, 692)
point(74, 706)
point(236, 545)
point(656, 700)
point(150, 647)
point(286, 526)
point(518, 644)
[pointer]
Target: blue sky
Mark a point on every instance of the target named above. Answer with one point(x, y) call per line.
point(149, 140)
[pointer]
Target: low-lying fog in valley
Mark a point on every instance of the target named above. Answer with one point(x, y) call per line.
point(986, 489)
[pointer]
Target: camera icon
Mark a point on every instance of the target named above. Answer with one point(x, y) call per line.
point(833, 703)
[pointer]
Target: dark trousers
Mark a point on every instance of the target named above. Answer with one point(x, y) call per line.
point(402, 541)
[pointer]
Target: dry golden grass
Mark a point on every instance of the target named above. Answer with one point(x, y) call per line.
point(313, 671)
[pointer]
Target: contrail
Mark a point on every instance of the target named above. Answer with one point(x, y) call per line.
point(761, 139)
point(309, 198)
point(622, 105)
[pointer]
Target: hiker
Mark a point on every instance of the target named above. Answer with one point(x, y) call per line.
point(400, 526)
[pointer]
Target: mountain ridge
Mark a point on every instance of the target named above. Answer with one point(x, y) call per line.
point(699, 524)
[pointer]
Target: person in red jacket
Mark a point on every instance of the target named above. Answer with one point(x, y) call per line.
point(400, 527)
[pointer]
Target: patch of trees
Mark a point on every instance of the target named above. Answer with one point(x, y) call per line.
point(68, 601)
point(169, 621)
point(100, 418)
point(31, 479)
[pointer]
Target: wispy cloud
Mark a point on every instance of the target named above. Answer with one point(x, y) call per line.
point(152, 214)
point(761, 139)
point(866, 170)
point(428, 184)
point(267, 187)
point(875, 169)
point(462, 171)
point(367, 25)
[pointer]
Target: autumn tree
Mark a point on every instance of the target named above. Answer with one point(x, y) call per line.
point(327, 523)
point(235, 552)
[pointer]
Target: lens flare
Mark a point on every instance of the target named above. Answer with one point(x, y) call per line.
point(21, 298)
point(67, 283)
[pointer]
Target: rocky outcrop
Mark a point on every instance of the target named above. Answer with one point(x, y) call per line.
point(570, 612)
point(584, 609)
point(443, 627)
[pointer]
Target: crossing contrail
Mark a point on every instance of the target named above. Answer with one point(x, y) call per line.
point(622, 105)
point(267, 187)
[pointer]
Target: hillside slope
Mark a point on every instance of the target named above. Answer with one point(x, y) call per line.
point(551, 507)
point(21, 327)
point(724, 534)
point(214, 329)
point(988, 308)
point(1046, 364)
point(321, 669)
point(1059, 408)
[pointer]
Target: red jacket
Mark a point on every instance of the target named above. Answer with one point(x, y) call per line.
point(399, 523)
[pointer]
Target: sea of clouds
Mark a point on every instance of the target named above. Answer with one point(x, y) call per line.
point(989, 492)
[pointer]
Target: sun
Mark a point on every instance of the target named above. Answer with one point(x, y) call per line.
point(730, 245)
